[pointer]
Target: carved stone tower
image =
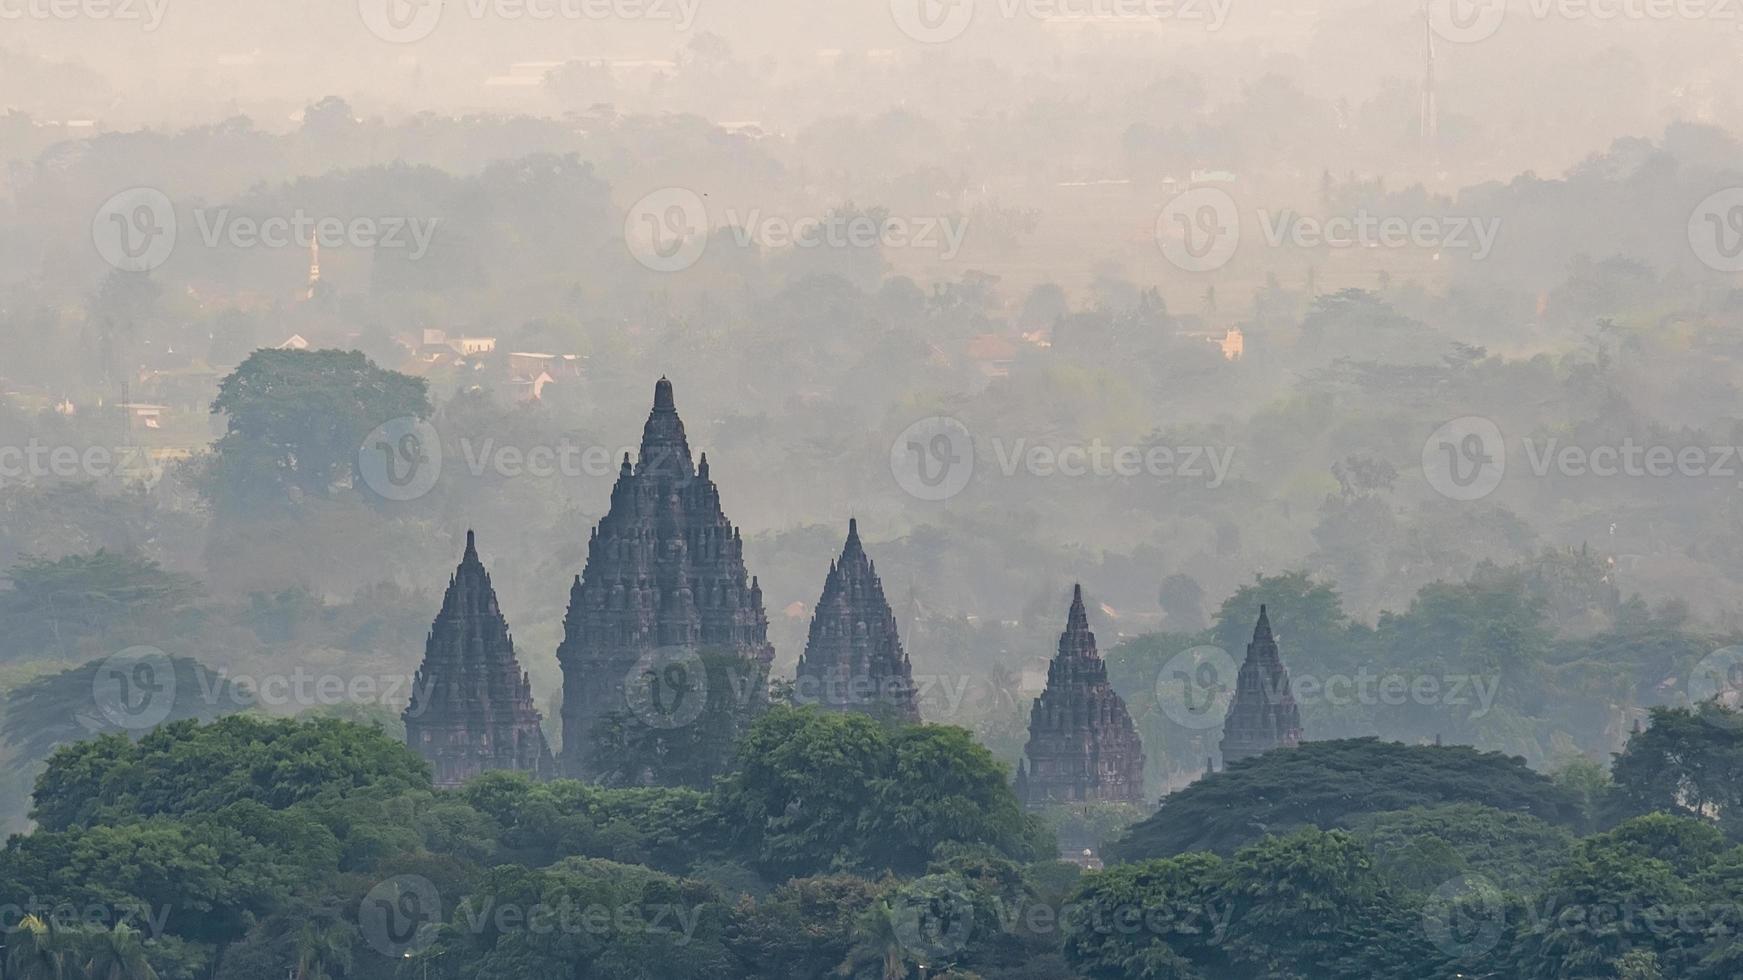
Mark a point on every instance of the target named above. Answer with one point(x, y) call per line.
point(665, 578)
point(1082, 743)
point(1263, 714)
point(472, 707)
point(853, 659)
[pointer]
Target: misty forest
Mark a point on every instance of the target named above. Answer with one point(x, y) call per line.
point(891, 490)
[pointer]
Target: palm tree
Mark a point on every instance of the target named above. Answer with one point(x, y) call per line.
point(36, 950)
point(322, 951)
point(118, 954)
point(876, 942)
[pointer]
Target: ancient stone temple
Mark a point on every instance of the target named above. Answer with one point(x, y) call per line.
point(1263, 714)
point(1082, 743)
point(664, 584)
point(472, 707)
point(853, 659)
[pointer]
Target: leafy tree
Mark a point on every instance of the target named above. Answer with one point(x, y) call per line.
point(1688, 761)
point(296, 421)
point(805, 928)
point(74, 604)
point(58, 709)
point(1329, 784)
point(1311, 905)
point(817, 792)
point(1517, 851)
point(1156, 919)
point(187, 768)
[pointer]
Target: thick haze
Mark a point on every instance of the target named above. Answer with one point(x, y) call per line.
point(1205, 289)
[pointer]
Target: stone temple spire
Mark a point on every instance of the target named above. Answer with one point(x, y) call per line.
point(1082, 743)
point(1263, 715)
point(665, 573)
point(472, 707)
point(853, 660)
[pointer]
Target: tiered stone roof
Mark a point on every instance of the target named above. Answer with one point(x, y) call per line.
point(1082, 743)
point(853, 659)
point(665, 569)
point(1263, 714)
point(472, 706)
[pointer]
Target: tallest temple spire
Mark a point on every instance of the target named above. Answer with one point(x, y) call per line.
point(1083, 745)
point(665, 581)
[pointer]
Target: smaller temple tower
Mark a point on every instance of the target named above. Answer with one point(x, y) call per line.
point(1263, 714)
point(1082, 743)
point(472, 707)
point(853, 659)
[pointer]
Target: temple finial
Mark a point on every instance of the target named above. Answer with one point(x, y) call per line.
point(663, 400)
point(471, 547)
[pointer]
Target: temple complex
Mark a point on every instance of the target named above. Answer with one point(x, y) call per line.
point(472, 707)
point(853, 658)
point(1082, 746)
point(1263, 714)
point(665, 578)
